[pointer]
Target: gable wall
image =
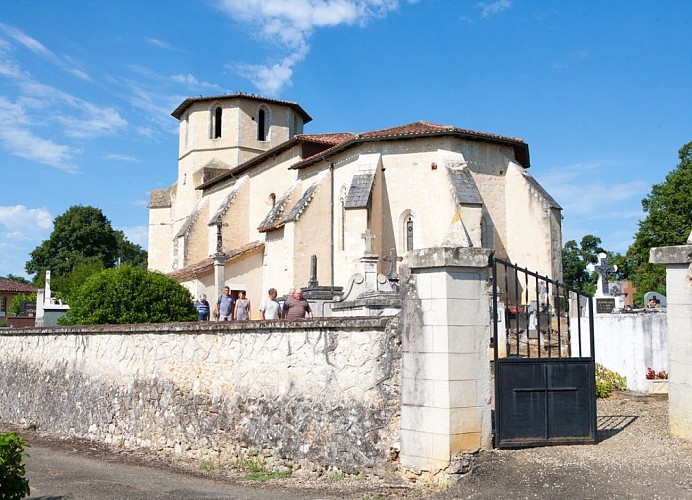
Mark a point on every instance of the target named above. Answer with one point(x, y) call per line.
point(529, 229)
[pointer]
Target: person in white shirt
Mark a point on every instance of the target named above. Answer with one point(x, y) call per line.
point(270, 308)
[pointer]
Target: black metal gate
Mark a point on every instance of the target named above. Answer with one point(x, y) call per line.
point(544, 360)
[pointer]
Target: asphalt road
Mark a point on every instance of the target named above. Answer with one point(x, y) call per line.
point(60, 475)
point(636, 458)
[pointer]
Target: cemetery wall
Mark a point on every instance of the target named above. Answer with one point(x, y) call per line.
point(320, 393)
point(630, 343)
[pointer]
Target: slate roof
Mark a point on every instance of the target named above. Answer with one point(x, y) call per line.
point(302, 203)
point(423, 129)
point(206, 266)
point(178, 112)
point(190, 220)
point(160, 198)
point(359, 192)
point(13, 287)
point(463, 186)
point(226, 203)
point(274, 218)
point(535, 185)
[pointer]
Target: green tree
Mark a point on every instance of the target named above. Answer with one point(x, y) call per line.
point(66, 285)
point(575, 258)
point(668, 222)
point(16, 305)
point(129, 253)
point(129, 294)
point(81, 233)
point(18, 279)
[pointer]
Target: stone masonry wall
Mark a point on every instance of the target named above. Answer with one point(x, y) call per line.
point(321, 392)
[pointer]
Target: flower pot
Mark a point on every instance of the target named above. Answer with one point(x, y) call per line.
point(657, 386)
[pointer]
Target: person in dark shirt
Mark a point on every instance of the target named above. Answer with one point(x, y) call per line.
point(203, 308)
point(296, 307)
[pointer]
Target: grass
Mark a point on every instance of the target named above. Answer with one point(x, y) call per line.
point(251, 465)
point(267, 475)
point(337, 477)
point(206, 465)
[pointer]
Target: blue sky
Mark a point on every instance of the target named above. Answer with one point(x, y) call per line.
point(601, 91)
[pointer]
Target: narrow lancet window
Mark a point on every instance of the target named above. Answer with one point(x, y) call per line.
point(409, 234)
point(261, 123)
point(217, 123)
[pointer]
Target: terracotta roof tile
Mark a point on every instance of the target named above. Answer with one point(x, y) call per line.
point(178, 112)
point(418, 129)
point(206, 266)
point(11, 286)
point(331, 139)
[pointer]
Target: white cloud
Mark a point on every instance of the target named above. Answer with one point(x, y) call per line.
point(583, 190)
point(490, 8)
point(125, 158)
point(19, 220)
point(16, 137)
point(191, 81)
point(41, 107)
point(289, 24)
point(92, 121)
point(137, 234)
point(39, 49)
point(161, 44)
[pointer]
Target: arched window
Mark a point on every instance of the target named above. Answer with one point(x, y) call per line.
point(409, 233)
point(217, 123)
point(261, 125)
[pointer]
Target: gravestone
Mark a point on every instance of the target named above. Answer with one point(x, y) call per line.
point(629, 290)
point(658, 298)
point(605, 302)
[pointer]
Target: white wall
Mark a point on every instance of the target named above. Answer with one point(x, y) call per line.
point(628, 344)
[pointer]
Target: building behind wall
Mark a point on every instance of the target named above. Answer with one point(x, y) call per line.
point(255, 197)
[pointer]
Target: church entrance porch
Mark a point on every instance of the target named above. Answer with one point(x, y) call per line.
point(544, 389)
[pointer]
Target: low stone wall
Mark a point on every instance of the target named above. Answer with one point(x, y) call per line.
point(323, 392)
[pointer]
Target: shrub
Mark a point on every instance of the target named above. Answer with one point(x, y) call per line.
point(13, 484)
point(607, 381)
point(129, 295)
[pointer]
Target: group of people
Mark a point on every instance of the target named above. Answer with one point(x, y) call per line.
point(229, 309)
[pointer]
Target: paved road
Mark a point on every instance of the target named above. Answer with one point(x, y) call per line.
point(60, 475)
point(636, 458)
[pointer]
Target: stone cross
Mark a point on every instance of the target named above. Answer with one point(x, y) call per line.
point(219, 235)
point(603, 269)
point(629, 290)
point(368, 237)
point(393, 258)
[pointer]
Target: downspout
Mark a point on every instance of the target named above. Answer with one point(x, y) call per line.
point(331, 206)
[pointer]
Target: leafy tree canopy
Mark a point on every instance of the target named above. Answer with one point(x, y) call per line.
point(129, 294)
point(575, 258)
point(82, 233)
point(668, 222)
point(18, 279)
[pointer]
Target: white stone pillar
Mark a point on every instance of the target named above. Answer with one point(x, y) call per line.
point(678, 261)
point(445, 391)
point(219, 275)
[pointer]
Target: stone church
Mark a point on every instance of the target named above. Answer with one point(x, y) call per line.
point(256, 197)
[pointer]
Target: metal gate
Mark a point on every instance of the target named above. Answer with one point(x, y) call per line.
point(544, 362)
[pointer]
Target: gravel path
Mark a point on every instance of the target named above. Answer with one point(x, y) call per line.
point(635, 458)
